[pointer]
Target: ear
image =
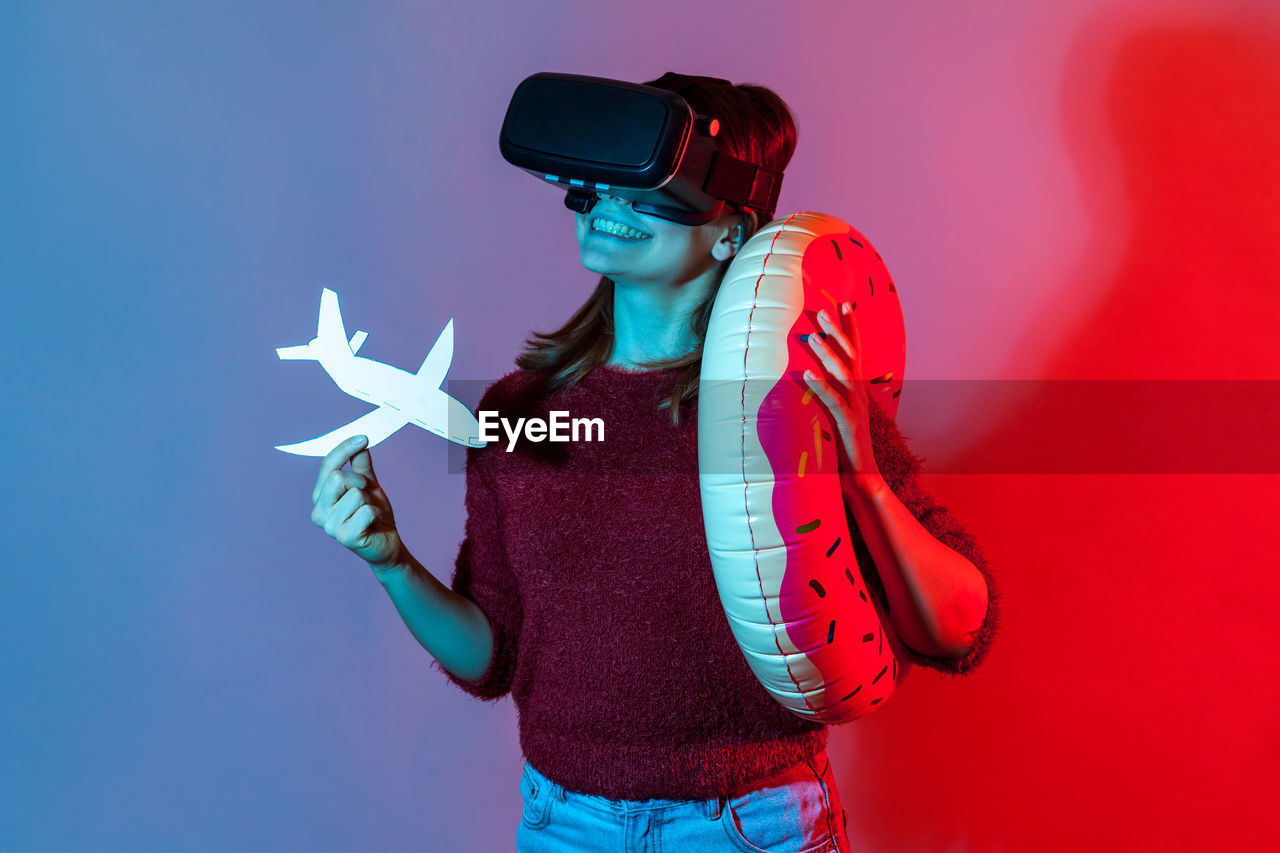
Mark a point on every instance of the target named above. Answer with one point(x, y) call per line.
point(734, 235)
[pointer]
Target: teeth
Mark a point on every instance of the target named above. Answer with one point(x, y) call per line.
point(617, 229)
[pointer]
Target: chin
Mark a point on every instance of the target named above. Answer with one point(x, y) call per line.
point(595, 266)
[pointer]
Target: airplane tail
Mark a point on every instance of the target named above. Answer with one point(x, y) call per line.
point(330, 331)
point(331, 335)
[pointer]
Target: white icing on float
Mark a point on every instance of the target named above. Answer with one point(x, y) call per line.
point(777, 531)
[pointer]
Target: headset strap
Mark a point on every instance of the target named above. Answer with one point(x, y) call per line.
point(679, 82)
point(742, 183)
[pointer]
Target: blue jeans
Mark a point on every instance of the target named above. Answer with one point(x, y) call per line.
point(797, 811)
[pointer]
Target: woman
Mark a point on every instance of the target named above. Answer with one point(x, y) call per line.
point(584, 589)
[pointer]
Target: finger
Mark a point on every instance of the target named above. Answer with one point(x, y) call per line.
point(829, 358)
point(821, 388)
point(838, 341)
point(331, 490)
point(363, 463)
point(835, 338)
point(337, 483)
point(335, 459)
point(338, 513)
point(840, 414)
point(354, 528)
point(343, 510)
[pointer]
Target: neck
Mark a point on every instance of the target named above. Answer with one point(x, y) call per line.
point(652, 323)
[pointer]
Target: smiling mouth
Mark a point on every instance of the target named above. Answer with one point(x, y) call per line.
point(617, 229)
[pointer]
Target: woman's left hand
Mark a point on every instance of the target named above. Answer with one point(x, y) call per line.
point(843, 391)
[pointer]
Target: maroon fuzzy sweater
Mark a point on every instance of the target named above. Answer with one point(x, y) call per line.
point(590, 561)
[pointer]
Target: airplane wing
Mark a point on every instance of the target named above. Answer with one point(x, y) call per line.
point(439, 357)
point(378, 424)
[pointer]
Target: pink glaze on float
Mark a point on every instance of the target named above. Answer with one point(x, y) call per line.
point(783, 557)
point(813, 514)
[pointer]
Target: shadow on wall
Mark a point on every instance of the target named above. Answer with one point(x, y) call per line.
point(1174, 132)
point(1193, 115)
point(1121, 709)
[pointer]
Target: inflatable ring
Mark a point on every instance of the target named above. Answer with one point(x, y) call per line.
point(777, 531)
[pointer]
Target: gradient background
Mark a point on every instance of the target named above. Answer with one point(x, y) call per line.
point(1079, 190)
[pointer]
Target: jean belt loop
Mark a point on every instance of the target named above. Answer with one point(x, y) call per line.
point(714, 807)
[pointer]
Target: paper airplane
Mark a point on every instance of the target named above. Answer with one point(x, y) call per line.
point(401, 397)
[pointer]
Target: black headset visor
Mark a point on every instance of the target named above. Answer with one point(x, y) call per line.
point(593, 135)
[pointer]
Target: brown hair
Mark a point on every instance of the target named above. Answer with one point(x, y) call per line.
point(755, 125)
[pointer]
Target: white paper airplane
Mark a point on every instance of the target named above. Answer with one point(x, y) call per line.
point(401, 397)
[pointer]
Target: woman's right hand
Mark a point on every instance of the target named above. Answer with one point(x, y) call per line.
point(352, 508)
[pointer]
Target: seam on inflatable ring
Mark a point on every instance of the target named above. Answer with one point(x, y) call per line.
point(743, 456)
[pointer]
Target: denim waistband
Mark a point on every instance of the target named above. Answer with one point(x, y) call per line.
point(710, 807)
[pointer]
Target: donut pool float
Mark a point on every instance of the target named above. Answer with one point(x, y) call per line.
point(777, 531)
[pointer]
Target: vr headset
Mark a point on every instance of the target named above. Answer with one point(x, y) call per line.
point(593, 135)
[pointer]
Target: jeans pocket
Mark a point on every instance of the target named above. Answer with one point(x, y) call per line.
point(788, 817)
point(537, 794)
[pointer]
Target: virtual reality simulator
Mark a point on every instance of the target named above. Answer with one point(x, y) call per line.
point(647, 145)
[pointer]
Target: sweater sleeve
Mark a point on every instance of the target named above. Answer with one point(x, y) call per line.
point(901, 469)
point(483, 574)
